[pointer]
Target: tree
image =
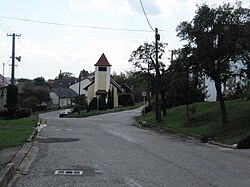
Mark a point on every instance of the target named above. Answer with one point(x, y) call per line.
point(32, 95)
point(12, 99)
point(83, 73)
point(215, 36)
point(65, 75)
point(39, 81)
point(184, 81)
point(144, 58)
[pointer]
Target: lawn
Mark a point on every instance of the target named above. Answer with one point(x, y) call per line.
point(206, 120)
point(14, 132)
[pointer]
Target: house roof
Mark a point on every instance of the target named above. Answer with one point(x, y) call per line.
point(125, 86)
point(102, 61)
point(3, 81)
point(64, 92)
point(111, 81)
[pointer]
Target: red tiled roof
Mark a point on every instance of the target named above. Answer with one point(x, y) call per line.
point(102, 61)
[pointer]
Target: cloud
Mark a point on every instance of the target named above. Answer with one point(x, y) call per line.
point(133, 7)
point(79, 5)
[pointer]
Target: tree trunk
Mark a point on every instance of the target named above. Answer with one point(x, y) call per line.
point(222, 104)
point(187, 108)
point(164, 103)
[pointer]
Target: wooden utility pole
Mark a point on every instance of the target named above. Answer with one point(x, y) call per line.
point(12, 80)
point(157, 79)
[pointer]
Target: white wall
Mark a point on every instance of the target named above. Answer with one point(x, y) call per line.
point(84, 83)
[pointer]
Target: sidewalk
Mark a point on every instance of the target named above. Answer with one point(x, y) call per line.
point(6, 155)
point(11, 158)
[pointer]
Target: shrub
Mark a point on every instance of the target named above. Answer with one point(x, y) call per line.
point(244, 143)
point(22, 112)
point(126, 100)
point(92, 105)
point(147, 109)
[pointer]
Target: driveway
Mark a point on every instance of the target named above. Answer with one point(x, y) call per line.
point(108, 150)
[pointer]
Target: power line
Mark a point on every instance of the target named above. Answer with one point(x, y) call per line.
point(7, 26)
point(80, 26)
point(146, 16)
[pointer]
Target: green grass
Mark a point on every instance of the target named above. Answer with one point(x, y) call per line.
point(14, 132)
point(84, 113)
point(207, 121)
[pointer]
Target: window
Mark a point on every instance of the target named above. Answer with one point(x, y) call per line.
point(102, 68)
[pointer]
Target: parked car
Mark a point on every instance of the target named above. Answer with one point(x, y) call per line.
point(63, 114)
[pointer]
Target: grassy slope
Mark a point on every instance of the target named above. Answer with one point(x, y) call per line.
point(207, 120)
point(15, 132)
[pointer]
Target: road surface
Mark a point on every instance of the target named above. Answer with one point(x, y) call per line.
point(108, 150)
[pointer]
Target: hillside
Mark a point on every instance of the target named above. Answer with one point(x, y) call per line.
point(206, 120)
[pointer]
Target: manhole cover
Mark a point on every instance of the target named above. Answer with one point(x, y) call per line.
point(68, 172)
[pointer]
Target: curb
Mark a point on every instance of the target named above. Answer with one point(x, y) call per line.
point(8, 172)
point(203, 139)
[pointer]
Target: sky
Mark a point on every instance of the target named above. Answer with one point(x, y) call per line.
point(71, 35)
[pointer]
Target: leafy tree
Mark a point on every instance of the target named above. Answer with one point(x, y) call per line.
point(83, 73)
point(216, 37)
point(39, 81)
point(65, 75)
point(184, 82)
point(34, 94)
point(144, 58)
point(12, 99)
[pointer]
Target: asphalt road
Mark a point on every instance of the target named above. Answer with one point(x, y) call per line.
point(108, 150)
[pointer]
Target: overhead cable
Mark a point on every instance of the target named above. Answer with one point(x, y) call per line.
point(146, 16)
point(80, 26)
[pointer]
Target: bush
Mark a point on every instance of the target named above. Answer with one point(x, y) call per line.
point(147, 108)
point(244, 143)
point(22, 112)
point(4, 114)
point(126, 100)
point(92, 105)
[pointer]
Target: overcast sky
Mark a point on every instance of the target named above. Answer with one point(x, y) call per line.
point(84, 29)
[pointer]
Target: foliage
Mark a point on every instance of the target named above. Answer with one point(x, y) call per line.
point(126, 100)
point(110, 99)
point(146, 109)
point(244, 143)
point(92, 105)
point(216, 37)
point(32, 96)
point(138, 81)
point(12, 96)
point(65, 75)
point(83, 73)
point(31, 103)
point(22, 113)
point(39, 81)
point(80, 100)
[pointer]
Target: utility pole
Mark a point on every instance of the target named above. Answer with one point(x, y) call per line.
point(12, 80)
point(157, 79)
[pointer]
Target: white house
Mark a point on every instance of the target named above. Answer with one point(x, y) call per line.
point(83, 83)
point(230, 85)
